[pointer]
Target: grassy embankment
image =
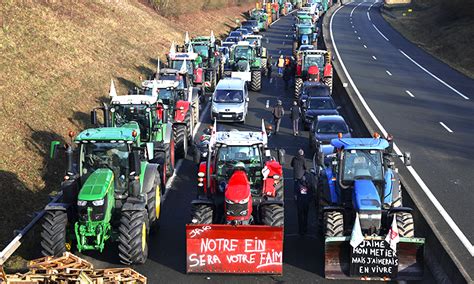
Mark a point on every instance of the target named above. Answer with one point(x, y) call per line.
point(444, 28)
point(56, 62)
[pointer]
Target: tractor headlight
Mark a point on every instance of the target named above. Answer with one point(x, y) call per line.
point(201, 174)
point(244, 212)
point(243, 201)
point(99, 202)
point(229, 201)
point(81, 203)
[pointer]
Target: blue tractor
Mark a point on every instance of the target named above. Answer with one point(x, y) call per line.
point(358, 183)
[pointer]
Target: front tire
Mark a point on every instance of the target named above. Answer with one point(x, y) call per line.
point(201, 214)
point(298, 86)
point(405, 224)
point(256, 83)
point(53, 234)
point(273, 215)
point(334, 224)
point(133, 237)
point(154, 201)
point(181, 140)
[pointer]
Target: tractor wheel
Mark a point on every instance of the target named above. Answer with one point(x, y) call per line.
point(256, 83)
point(298, 86)
point(210, 76)
point(280, 190)
point(273, 215)
point(328, 82)
point(133, 237)
point(181, 140)
point(53, 233)
point(195, 107)
point(153, 200)
point(405, 224)
point(201, 214)
point(190, 125)
point(334, 224)
point(264, 66)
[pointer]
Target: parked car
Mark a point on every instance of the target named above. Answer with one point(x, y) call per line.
point(315, 106)
point(244, 31)
point(251, 24)
point(230, 100)
point(237, 34)
point(327, 127)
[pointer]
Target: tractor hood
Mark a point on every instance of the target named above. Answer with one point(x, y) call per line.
point(97, 185)
point(366, 196)
point(238, 188)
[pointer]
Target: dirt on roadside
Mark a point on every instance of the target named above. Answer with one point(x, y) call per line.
point(445, 29)
point(56, 62)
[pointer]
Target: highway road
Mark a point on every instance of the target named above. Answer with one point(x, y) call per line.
point(427, 106)
point(303, 256)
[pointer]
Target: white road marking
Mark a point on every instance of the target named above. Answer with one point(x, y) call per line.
point(267, 104)
point(409, 93)
point(380, 32)
point(352, 12)
point(368, 15)
point(352, 26)
point(446, 127)
point(464, 240)
point(388, 72)
point(365, 46)
point(355, 32)
point(375, 58)
point(434, 76)
point(358, 37)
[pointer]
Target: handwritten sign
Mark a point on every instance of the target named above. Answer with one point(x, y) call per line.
point(374, 258)
point(234, 249)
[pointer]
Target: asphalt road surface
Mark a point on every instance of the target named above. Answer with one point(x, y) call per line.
point(425, 104)
point(303, 256)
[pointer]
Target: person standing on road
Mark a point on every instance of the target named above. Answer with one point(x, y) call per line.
point(286, 77)
point(299, 166)
point(278, 112)
point(269, 66)
point(304, 192)
point(280, 65)
point(295, 113)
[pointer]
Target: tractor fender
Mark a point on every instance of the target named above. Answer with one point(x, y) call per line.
point(333, 208)
point(57, 207)
point(205, 201)
point(327, 71)
point(134, 204)
point(399, 209)
point(271, 201)
point(149, 177)
point(182, 108)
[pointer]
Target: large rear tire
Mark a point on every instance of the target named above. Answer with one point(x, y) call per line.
point(273, 215)
point(405, 224)
point(298, 86)
point(256, 83)
point(201, 214)
point(53, 234)
point(334, 224)
point(133, 237)
point(154, 201)
point(328, 82)
point(181, 140)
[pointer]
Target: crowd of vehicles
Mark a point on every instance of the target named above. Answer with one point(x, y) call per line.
point(117, 171)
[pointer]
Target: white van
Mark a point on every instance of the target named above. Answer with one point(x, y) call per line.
point(230, 100)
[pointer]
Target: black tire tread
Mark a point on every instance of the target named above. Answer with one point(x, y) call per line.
point(273, 215)
point(334, 224)
point(53, 233)
point(405, 224)
point(130, 237)
point(201, 214)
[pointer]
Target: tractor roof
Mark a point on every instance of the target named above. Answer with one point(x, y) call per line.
point(253, 36)
point(134, 100)
point(304, 16)
point(183, 56)
point(201, 39)
point(169, 71)
point(314, 52)
point(360, 143)
point(160, 84)
point(240, 138)
point(117, 134)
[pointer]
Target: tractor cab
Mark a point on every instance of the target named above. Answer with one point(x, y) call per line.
point(185, 62)
point(320, 60)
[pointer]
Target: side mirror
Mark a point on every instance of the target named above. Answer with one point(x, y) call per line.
point(149, 150)
point(93, 117)
point(281, 156)
point(407, 158)
point(53, 151)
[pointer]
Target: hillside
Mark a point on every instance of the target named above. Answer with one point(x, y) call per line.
point(444, 29)
point(56, 63)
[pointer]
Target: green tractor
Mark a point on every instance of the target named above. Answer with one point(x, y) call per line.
point(261, 16)
point(110, 192)
point(207, 49)
point(152, 117)
point(245, 63)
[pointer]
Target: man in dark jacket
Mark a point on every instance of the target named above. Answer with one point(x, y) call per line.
point(295, 114)
point(299, 165)
point(269, 66)
point(278, 112)
point(304, 192)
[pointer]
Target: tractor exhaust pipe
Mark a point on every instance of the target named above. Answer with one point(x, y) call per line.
point(69, 160)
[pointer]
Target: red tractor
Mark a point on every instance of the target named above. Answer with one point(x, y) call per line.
point(309, 61)
point(241, 187)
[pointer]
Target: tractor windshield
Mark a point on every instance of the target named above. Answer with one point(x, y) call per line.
point(314, 60)
point(242, 52)
point(139, 113)
point(228, 96)
point(362, 164)
point(113, 156)
point(306, 21)
point(201, 50)
point(165, 95)
point(177, 64)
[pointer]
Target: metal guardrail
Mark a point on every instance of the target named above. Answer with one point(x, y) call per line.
point(16, 242)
